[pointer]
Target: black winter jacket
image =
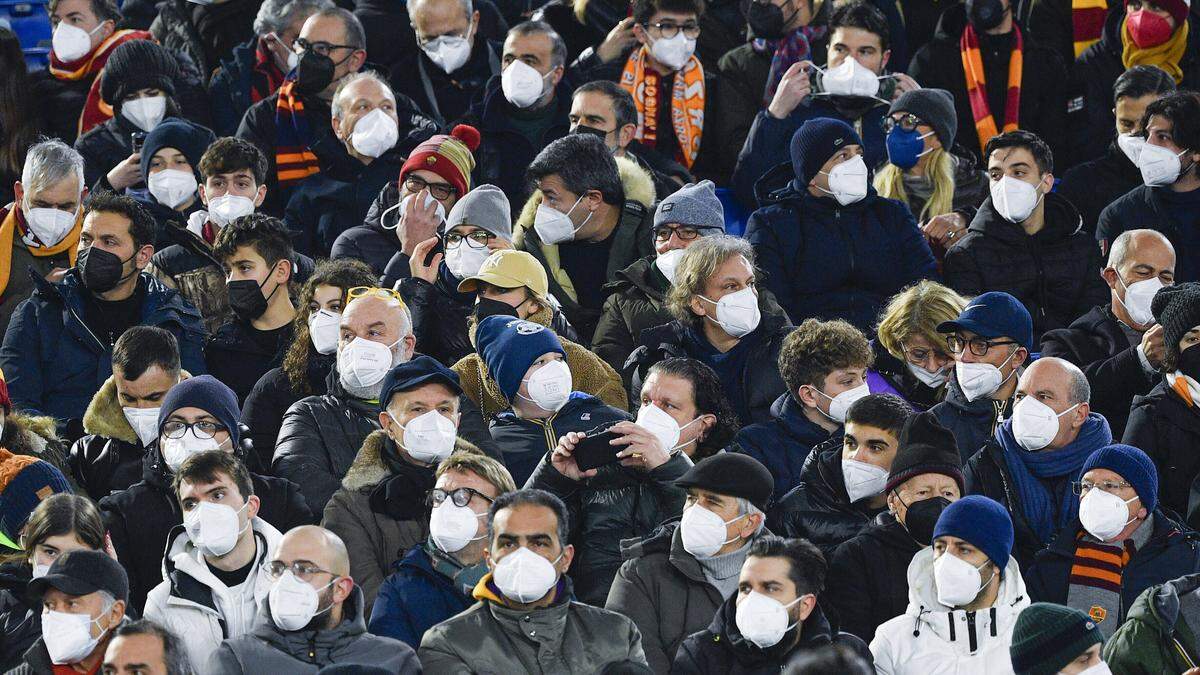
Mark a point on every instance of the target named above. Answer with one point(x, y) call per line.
point(439, 315)
point(109, 457)
point(783, 443)
point(867, 582)
point(1160, 209)
point(444, 97)
point(1167, 430)
point(272, 395)
point(20, 622)
point(370, 241)
point(526, 441)
point(1095, 184)
point(389, 33)
point(238, 356)
point(971, 422)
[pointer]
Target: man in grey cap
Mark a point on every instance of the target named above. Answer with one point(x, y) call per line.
point(673, 581)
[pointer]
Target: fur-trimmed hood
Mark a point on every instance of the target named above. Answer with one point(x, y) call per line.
point(105, 418)
point(34, 436)
point(370, 468)
point(636, 181)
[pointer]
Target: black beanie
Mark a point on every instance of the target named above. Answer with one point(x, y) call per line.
point(1177, 309)
point(816, 142)
point(925, 446)
point(138, 64)
point(187, 137)
point(934, 107)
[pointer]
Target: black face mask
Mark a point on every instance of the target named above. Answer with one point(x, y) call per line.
point(921, 517)
point(246, 298)
point(1189, 363)
point(487, 307)
point(313, 73)
point(766, 20)
point(584, 129)
point(100, 270)
point(986, 14)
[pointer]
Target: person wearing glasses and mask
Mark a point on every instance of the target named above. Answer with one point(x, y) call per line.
point(1124, 541)
point(313, 616)
point(196, 415)
point(910, 355)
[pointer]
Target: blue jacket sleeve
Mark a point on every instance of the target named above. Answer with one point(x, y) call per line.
point(191, 349)
point(916, 253)
point(389, 617)
point(767, 145)
point(20, 358)
point(771, 260)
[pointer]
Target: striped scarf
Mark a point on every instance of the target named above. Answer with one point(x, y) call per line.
point(12, 226)
point(95, 110)
point(1094, 587)
point(792, 48)
point(265, 77)
point(293, 160)
point(687, 103)
point(972, 61)
point(1087, 23)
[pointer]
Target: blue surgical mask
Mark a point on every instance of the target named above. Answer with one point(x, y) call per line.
point(904, 148)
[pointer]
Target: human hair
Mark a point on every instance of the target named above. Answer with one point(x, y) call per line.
point(746, 508)
point(202, 468)
point(1079, 390)
point(481, 465)
point(834, 657)
point(700, 261)
point(582, 162)
point(917, 311)
point(268, 236)
point(1143, 80)
point(17, 117)
point(174, 653)
point(230, 154)
point(889, 182)
point(467, 6)
point(881, 411)
point(806, 563)
point(142, 228)
point(335, 106)
point(710, 399)
point(531, 497)
point(1027, 140)
point(274, 16)
point(1119, 251)
point(558, 48)
point(644, 10)
point(863, 16)
point(343, 273)
point(817, 348)
point(64, 513)
point(105, 10)
point(624, 109)
point(49, 162)
point(355, 37)
point(141, 347)
point(1182, 108)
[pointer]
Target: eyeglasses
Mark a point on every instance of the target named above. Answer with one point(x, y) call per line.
point(907, 122)
point(441, 191)
point(978, 346)
point(322, 48)
point(669, 29)
point(476, 239)
point(301, 569)
point(1111, 487)
point(460, 497)
point(372, 291)
point(684, 233)
point(921, 354)
point(424, 41)
point(175, 429)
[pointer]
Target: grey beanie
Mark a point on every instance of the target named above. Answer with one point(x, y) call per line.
point(934, 107)
point(484, 207)
point(695, 205)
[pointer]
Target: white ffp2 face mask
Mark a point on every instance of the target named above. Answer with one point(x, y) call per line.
point(50, 226)
point(374, 134)
point(550, 386)
point(1014, 199)
point(927, 377)
point(848, 181)
point(429, 438)
point(175, 451)
point(522, 84)
point(172, 187)
point(862, 479)
point(839, 406)
point(464, 261)
point(674, 52)
point(525, 576)
point(227, 208)
point(68, 637)
point(1131, 145)
point(448, 52)
point(737, 313)
point(703, 532)
point(980, 379)
point(850, 78)
point(389, 223)
point(664, 427)
point(1035, 424)
point(554, 226)
point(294, 603)
point(668, 262)
point(1138, 297)
point(763, 620)
point(71, 43)
point(363, 363)
point(958, 582)
point(144, 422)
point(452, 527)
point(1159, 166)
point(145, 113)
point(1104, 514)
point(214, 528)
point(323, 330)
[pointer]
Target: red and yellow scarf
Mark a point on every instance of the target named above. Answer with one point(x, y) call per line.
point(687, 103)
point(266, 77)
point(13, 225)
point(95, 109)
point(972, 61)
point(1087, 23)
point(294, 161)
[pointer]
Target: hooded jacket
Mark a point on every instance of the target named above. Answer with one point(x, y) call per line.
point(932, 639)
point(971, 422)
point(1163, 426)
point(192, 602)
point(229, 88)
point(1155, 637)
point(867, 582)
point(1054, 273)
point(783, 443)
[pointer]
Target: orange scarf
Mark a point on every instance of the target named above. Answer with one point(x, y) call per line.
point(14, 225)
point(1165, 56)
point(294, 160)
point(95, 109)
point(687, 103)
point(985, 121)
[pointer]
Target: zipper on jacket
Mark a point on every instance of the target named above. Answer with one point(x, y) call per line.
point(548, 432)
point(972, 639)
point(837, 219)
point(1041, 277)
point(312, 648)
point(1182, 652)
point(71, 309)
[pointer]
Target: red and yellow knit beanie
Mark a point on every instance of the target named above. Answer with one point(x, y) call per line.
point(448, 156)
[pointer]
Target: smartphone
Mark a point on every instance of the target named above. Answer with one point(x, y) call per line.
point(593, 450)
point(136, 139)
point(439, 247)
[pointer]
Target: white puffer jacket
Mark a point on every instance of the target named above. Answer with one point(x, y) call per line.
point(192, 603)
point(932, 639)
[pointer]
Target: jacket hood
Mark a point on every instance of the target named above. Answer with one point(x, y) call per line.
point(1161, 605)
point(105, 416)
point(640, 275)
point(161, 305)
point(636, 182)
point(370, 466)
point(34, 434)
point(1061, 217)
point(951, 24)
point(189, 574)
point(787, 411)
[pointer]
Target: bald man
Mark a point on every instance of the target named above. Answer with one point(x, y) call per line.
point(313, 616)
point(1118, 345)
point(1030, 462)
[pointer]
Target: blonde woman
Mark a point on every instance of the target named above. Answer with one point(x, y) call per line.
point(910, 355)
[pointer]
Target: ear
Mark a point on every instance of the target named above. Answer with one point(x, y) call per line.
point(697, 306)
point(626, 134)
point(110, 27)
point(1081, 414)
point(260, 196)
point(116, 613)
point(887, 55)
point(568, 556)
point(342, 589)
point(1048, 181)
point(282, 271)
point(594, 198)
point(1020, 357)
point(1110, 277)
point(474, 28)
point(335, 124)
point(357, 59)
point(203, 196)
point(253, 506)
point(144, 255)
point(708, 422)
point(487, 557)
point(18, 193)
point(892, 501)
point(410, 345)
point(750, 525)
point(807, 604)
point(805, 394)
point(385, 421)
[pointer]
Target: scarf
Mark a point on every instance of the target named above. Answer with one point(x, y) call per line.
point(293, 160)
point(1166, 56)
point(791, 49)
point(1032, 473)
point(265, 76)
point(95, 109)
point(1087, 23)
point(1185, 387)
point(1094, 586)
point(972, 61)
point(687, 103)
point(13, 224)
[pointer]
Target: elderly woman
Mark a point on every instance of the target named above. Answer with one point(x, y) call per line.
point(910, 356)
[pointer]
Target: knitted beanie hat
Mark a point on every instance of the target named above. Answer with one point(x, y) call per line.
point(1177, 310)
point(694, 205)
point(815, 143)
point(448, 156)
point(484, 207)
point(25, 481)
point(925, 447)
point(1177, 8)
point(136, 65)
point(184, 135)
point(934, 107)
point(1131, 464)
point(208, 394)
point(982, 522)
point(1046, 637)
point(509, 347)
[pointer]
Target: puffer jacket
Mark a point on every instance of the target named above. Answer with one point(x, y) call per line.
point(1054, 273)
point(827, 261)
point(229, 88)
point(267, 649)
point(618, 503)
point(109, 457)
point(176, 27)
point(971, 422)
point(191, 601)
point(20, 621)
point(932, 639)
point(1093, 185)
point(819, 508)
point(419, 594)
point(867, 582)
point(273, 394)
point(783, 443)
point(1155, 637)
point(1163, 426)
point(371, 242)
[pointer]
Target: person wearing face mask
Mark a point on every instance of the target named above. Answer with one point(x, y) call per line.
point(772, 619)
point(674, 579)
point(964, 595)
point(526, 612)
point(196, 415)
point(910, 355)
point(1168, 199)
point(990, 340)
point(1049, 639)
point(84, 597)
point(841, 489)
point(313, 616)
point(434, 579)
point(171, 172)
point(1123, 541)
point(813, 274)
point(868, 581)
point(213, 582)
point(1034, 457)
point(1120, 345)
point(96, 301)
point(381, 510)
point(690, 394)
point(1026, 240)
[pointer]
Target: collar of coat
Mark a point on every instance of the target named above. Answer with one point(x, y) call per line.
point(33, 435)
point(370, 466)
point(189, 576)
point(104, 416)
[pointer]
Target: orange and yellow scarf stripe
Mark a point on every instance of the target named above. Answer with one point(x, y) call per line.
point(13, 225)
point(687, 103)
point(294, 161)
point(972, 61)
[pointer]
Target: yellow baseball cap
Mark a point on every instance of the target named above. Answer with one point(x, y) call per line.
point(509, 268)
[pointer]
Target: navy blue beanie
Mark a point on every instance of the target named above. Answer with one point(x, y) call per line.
point(1133, 465)
point(509, 346)
point(187, 137)
point(208, 394)
point(815, 143)
point(25, 482)
point(981, 522)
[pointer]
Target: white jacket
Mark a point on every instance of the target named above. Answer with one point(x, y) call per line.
point(192, 603)
point(932, 639)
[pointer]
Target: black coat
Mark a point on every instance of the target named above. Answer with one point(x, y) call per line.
point(371, 242)
point(1167, 430)
point(987, 474)
point(636, 303)
point(109, 457)
point(867, 583)
point(417, 77)
point(971, 422)
point(439, 315)
point(1160, 209)
point(238, 358)
point(1054, 273)
point(1097, 344)
point(271, 397)
point(1095, 184)
point(389, 33)
point(20, 622)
